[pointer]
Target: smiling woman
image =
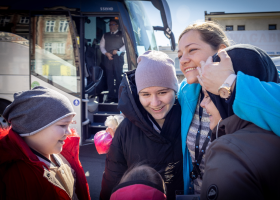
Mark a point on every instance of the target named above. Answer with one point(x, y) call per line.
point(197, 42)
point(150, 133)
point(36, 153)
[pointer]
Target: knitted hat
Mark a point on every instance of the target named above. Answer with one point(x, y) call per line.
point(155, 68)
point(36, 109)
point(138, 190)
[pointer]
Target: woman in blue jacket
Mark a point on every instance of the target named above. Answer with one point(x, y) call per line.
point(197, 43)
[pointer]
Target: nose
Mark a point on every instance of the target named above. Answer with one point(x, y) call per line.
point(184, 59)
point(68, 131)
point(155, 101)
point(203, 103)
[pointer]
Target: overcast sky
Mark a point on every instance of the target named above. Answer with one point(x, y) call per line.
point(185, 12)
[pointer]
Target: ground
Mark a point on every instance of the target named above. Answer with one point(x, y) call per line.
point(94, 165)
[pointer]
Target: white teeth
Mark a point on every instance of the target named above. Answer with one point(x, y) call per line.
point(189, 69)
point(157, 109)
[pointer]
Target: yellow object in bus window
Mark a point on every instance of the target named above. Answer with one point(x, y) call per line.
point(46, 69)
point(65, 70)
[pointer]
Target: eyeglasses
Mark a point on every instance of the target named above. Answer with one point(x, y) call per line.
point(113, 24)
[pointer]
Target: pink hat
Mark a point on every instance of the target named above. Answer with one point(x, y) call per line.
point(137, 191)
point(155, 68)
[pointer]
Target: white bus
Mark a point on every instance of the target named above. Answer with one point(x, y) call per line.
point(57, 46)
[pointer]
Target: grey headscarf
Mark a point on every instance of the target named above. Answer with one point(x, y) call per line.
point(36, 109)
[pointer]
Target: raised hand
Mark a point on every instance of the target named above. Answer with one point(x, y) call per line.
point(213, 74)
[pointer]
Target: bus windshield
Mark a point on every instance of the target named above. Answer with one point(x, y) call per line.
point(142, 29)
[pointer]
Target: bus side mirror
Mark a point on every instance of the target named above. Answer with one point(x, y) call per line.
point(170, 36)
point(163, 7)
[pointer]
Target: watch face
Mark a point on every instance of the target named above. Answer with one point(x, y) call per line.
point(224, 93)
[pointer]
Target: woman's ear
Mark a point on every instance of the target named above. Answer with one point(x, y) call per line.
point(222, 46)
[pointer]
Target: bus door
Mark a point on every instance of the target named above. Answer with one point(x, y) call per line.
point(55, 59)
point(92, 30)
point(95, 26)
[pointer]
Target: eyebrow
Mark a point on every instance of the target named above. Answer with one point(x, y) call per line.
point(186, 47)
point(158, 90)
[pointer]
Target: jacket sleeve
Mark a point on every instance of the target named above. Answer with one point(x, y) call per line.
point(229, 173)
point(258, 102)
point(20, 182)
point(115, 164)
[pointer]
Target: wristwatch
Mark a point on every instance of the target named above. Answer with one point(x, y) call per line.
point(224, 90)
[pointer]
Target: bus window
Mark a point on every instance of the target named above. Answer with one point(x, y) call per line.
point(52, 52)
point(142, 29)
point(14, 50)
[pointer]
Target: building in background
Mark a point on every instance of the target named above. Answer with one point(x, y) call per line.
point(15, 23)
point(261, 29)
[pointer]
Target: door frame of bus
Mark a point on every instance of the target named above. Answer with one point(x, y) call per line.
point(83, 16)
point(67, 13)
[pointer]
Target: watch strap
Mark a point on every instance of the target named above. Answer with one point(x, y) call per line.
point(230, 79)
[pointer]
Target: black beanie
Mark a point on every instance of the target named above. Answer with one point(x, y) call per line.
point(250, 60)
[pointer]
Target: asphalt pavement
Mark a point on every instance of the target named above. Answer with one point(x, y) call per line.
point(94, 165)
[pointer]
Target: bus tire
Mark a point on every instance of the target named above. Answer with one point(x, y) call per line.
point(3, 105)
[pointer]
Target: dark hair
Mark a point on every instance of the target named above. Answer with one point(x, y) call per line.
point(143, 172)
point(114, 20)
point(211, 33)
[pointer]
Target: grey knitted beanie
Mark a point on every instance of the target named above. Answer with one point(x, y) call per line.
point(155, 68)
point(36, 109)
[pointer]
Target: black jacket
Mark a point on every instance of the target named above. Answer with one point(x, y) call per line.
point(243, 163)
point(136, 141)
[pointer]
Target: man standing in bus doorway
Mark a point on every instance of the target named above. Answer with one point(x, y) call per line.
point(112, 46)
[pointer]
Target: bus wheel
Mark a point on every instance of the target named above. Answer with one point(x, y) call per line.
point(3, 122)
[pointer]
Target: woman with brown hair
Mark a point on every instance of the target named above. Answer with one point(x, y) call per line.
point(196, 43)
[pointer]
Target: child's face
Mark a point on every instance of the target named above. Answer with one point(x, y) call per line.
point(51, 139)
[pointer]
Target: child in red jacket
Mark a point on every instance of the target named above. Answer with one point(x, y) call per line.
point(38, 158)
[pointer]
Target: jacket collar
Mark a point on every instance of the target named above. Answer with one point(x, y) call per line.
point(229, 126)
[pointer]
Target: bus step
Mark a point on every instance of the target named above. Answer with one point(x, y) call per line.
point(101, 116)
point(91, 140)
point(97, 125)
point(110, 107)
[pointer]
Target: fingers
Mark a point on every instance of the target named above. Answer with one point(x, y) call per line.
point(225, 60)
point(209, 60)
point(200, 81)
point(223, 54)
point(199, 71)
